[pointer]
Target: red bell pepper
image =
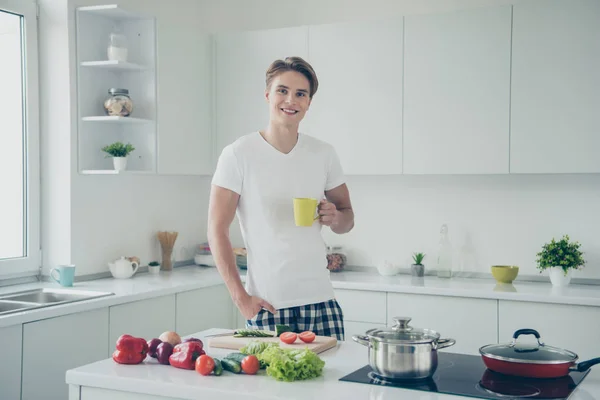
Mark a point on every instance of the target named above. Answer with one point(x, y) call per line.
point(185, 354)
point(130, 350)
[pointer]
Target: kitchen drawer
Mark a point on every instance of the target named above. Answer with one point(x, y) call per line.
point(362, 305)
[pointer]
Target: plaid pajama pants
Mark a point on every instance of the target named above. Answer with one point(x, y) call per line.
point(324, 319)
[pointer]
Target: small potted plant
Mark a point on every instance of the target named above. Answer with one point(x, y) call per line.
point(560, 258)
point(119, 152)
point(154, 267)
point(418, 269)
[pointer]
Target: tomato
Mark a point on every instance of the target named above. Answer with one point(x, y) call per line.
point(288, 337)
point(205, 364)
point(307, 337)
point(250, 364)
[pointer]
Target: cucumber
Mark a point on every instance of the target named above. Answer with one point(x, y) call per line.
point(252, 333)
point(279, 329)
point(238, 357)
point(218, 367)
point(231, 365)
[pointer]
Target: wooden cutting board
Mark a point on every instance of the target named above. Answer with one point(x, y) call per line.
point(319, 345)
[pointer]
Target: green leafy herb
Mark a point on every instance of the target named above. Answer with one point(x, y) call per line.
point(562, 254)
point(418, 258)
point(118, 149)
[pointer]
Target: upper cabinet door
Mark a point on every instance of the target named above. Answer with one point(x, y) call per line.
point(241, 62)
point(358, 106)
point(456, 92)
point(555, 106)
point(185, 103)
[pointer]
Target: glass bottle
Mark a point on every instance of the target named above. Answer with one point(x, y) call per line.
point(444, 260)
point(336, 258)
point(118, 103)
point(117, 45)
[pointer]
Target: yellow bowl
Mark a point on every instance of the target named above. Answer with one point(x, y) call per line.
point(505, 273)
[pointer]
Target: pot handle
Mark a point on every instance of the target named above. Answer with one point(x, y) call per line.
point(361, 339)
point(442, 343)
point(585, 365)
point(526, 331)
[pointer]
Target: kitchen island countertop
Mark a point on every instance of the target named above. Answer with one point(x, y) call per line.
point(150, 380)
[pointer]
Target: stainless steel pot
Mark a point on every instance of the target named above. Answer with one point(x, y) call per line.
point(403, 352)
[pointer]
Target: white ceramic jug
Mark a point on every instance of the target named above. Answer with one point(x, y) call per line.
point(123, 268)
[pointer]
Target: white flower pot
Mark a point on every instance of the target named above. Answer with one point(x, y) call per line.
point(120, 163)
point(558, 277)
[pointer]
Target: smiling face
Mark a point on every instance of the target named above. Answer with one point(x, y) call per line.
point(289, 98)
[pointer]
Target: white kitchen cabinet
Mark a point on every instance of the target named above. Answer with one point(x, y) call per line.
point(185, 144)
point(201, 309)
point(358, 106)
point(241, 61)
point(566, 326)
point(457, 92)
point(362, 306)
point(143, 318)
point(555, 118)
point(96, 74)
point(471, 322)
point(55, 345)
point(10, 369)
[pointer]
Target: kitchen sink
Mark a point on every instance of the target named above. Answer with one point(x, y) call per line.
point(14, 306)
point(38, 298)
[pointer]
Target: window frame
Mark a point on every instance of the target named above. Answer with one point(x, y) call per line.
point(31, 263)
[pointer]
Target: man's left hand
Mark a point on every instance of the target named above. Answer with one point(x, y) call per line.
point(328, 212)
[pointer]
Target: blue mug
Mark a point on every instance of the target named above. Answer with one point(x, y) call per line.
point(66, 274)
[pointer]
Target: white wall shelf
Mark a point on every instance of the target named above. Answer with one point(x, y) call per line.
point(97, 74)
point(117, 119)
point(112, 172)
point(114, 65)
point(112, 11)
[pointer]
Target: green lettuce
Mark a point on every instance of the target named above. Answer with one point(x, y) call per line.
point(291, 365)
point(256, 347)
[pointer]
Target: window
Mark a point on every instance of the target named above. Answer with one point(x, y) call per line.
point(19, 140)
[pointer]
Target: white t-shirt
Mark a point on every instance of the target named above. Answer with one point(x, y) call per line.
point(287, 264)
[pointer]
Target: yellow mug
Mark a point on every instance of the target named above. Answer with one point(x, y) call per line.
point(304, 211)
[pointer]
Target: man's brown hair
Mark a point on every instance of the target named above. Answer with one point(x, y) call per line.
point(297, 64)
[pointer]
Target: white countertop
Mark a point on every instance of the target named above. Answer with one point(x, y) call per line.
point(586, 295)
point(144, 286)
point(163, 380)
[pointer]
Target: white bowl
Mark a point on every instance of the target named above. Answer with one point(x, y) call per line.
point(388, 269)
point(205, 259)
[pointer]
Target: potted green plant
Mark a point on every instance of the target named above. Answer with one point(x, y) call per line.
point(560, 258)
point(119, 152)
point(418, 269)
point(154, 267)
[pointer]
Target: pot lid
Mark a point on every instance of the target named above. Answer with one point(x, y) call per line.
point(402, 332)
point(536, 353)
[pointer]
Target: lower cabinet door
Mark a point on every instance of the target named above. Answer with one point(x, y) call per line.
point(205, 308)
point(471, 322)
point(10, 369)
point(144, 318)
point(570, 327)
point(53, 346)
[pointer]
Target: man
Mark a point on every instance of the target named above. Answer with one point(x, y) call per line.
point(257, 177)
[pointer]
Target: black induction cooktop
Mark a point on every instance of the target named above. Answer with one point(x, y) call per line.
point(467, 375)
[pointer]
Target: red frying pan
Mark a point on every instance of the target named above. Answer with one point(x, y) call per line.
point(540, 361)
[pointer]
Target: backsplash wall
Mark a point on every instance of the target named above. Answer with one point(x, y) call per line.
point(496, 219)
